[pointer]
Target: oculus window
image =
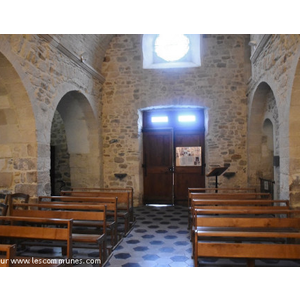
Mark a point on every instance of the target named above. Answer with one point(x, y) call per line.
point(171, 51)
point(171, 47)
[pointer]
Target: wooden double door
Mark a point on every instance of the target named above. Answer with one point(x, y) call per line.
point(174, 160)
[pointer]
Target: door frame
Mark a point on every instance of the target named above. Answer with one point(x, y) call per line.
point(198, 127)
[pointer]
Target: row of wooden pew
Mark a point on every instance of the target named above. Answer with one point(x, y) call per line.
point(88, 218)
point(240, 223)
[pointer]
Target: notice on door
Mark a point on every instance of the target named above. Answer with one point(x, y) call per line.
point(188, 156)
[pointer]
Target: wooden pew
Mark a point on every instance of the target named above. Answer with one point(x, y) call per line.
point(127, 189)
point(244, 211)
point(235, 202)
point(10, 259)
point(125, 208)
point(95, 213)
point(241, 212)
point(223, 196)
point(111, 211)
point(231, 196)
point(213, 189)
point(218, 190)
point(16, 198)
point(9, 252)
point(236, 208)
point(247, 229)
point(198, 203)
point(35, 228)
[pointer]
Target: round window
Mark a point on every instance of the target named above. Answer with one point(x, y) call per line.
point(171, 47)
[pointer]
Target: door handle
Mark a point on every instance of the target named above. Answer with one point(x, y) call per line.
point(171, 169)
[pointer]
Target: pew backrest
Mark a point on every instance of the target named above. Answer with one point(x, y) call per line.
point(232, 196)
point(111, 203)
point(26, 228)
point(127, 189)
point(218, 190)
point(198, 212)
point(219, 222)
point(235, 202)
point(16, 198)
point(123, 197)
point(79, 212)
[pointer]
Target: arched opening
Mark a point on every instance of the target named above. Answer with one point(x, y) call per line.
point(60, 156)
point(75, 144)
point(18, 144)
point(263, 148)
point(294, 140)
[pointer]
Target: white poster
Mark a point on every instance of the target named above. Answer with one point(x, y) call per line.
point(188, 156)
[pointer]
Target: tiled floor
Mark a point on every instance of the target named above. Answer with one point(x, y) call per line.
point(159, 239)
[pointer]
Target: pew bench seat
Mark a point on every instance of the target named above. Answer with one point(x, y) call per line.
point(111, 204)
point(250, 251)
point(212, 233)
point(85, 213)
point(125, 202)
point(192, 196)
point(52, 230)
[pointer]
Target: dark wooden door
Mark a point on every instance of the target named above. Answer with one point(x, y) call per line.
point(158, 166)
point(192, 175)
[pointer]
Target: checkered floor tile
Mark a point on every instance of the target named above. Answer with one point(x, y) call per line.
point(159, 239)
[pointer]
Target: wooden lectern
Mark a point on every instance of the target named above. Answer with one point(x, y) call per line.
point(217, 172)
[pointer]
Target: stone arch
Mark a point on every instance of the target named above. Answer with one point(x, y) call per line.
point(294, 139)
point(18, 143)
point(82, 139)
point(263, 137)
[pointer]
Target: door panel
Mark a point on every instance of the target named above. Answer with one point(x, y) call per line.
point(189, 176)
point(186, 177)
point(158, 163)
point(164, 181)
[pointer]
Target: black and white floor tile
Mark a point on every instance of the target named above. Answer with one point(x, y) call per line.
point(159, 239)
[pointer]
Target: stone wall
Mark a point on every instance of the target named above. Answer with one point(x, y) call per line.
point(219, 85)
point(275, 63)
point(37, 71)
point(47, 71)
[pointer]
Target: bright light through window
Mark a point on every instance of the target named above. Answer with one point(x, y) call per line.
point(171, 47)
point(187, 118)
point(159, 119)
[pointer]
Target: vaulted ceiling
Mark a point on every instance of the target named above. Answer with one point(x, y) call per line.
point(91, 46)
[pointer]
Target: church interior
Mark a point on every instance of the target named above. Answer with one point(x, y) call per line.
point(102, 111)
point(82, 99)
